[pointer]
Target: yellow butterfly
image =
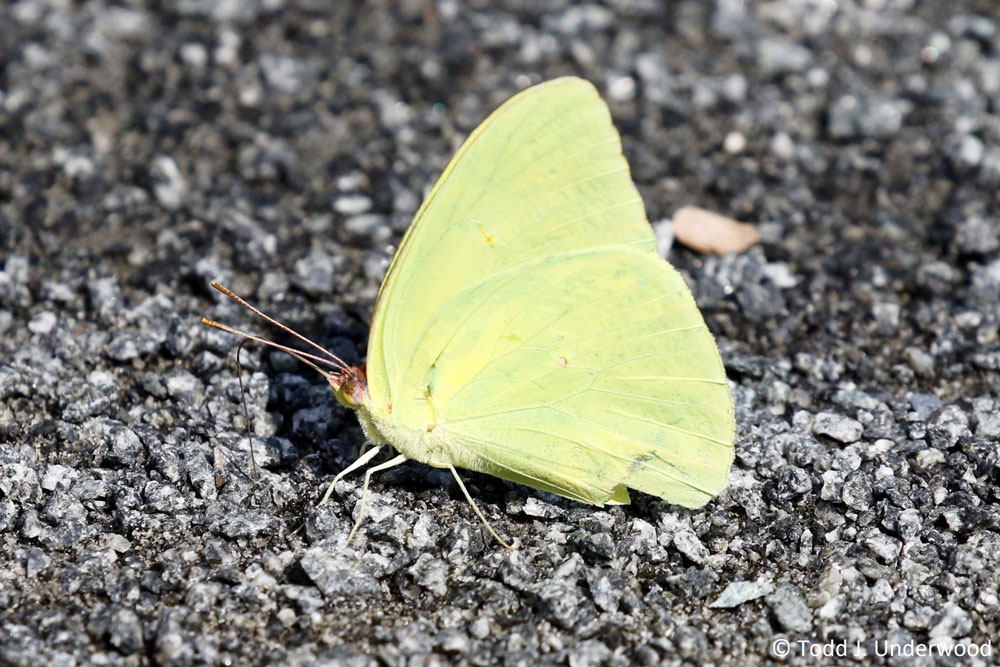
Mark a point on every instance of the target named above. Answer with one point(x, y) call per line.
point(527, 329)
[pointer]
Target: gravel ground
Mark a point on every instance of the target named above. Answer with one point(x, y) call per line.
point(282, 146)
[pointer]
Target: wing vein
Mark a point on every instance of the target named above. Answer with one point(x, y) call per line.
point(672, 427)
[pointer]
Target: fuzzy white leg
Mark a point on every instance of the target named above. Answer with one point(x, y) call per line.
point(361, 460)
point(391, 463)
point(475, 509)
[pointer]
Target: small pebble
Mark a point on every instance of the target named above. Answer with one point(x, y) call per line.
point(42, 323)
point(840, 428)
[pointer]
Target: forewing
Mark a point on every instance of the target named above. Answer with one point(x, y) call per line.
point(543, 175)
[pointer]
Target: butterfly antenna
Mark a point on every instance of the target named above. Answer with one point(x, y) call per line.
point(475, 508)
point(304, 357)
point(340, 363)
point(246, 412)
point(391, 463)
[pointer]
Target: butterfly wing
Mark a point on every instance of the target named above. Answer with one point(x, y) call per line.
point(543, 175)
point(526, 327)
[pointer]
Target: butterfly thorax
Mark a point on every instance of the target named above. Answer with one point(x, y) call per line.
point(381, 427)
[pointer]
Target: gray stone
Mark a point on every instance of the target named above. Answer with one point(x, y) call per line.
point(987, 417)
point(8, 515)
point(885, 547)
point(790, 609)
point(367, 228)
point(431, 574)
point(779, 56)
point(170, 187)
point(951, 622)
point(43, 323)
point(287, 75)
point(539, 508)
point(606, 589)
point(854, 116)
point(246, 524)
point(590, 652)
point(967, 151)
point(924, 404)
point(688, 544)
point(920, 361)
point(338, 574)
point(560, 602)
point(857, 491)
point(352, 205)
point(316, 272)
point(19, 482)
point(126, 631)
point(886, 317)
point(856, 399)
point(978, 236)
point(738, 592)
point(949, 427)
point(37, 561)
point(794, 482)
point(840, 428)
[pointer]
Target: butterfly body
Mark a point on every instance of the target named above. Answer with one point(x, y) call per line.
point(421, 445)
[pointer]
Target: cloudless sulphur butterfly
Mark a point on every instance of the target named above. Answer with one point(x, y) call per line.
point(527, 329)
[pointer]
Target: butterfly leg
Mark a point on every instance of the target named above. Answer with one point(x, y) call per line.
point(361, 460)
point(391, 463)
point(475, 509)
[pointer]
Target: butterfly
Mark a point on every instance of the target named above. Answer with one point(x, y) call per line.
point(527, 329)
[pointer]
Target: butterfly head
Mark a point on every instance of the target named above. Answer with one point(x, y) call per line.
point(350, 386)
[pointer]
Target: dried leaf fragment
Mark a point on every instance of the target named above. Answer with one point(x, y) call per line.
point(710, 232)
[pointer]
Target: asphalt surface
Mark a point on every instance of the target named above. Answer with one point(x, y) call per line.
point(282, 147)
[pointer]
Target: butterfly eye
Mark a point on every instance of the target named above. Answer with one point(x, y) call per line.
point(346, 391)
